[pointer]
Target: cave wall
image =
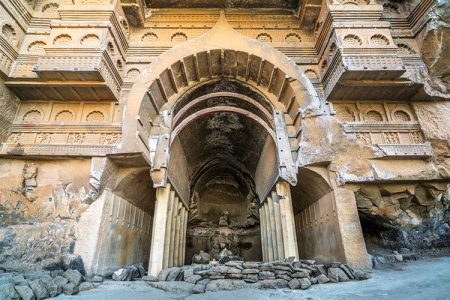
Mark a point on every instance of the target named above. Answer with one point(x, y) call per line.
point(41, 202)
point(318, 234)
point(113, 234)
point(223, 192)
point(435, 44)
point(415, 215)
point(48, 211)
point(8, 107)
point(267, 169)
point(178, 170)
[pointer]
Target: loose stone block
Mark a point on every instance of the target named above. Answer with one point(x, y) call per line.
point(250, 271)
point(322, 279)
point(193, 278)
point(199, 289)
point(73, 276)
point(85, 286)
point(39, 289)
point(25, 292)
point(294, 284)
point(304, 283)
point(70, 289)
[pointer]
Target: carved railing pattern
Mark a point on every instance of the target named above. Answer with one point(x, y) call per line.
point(394, 139)
point(71, 63)
point(61, 137)
point(380, 127)
point(343, 62)
point(376, 62)
point(99, 63)
point(417, 150)
point(67, 150)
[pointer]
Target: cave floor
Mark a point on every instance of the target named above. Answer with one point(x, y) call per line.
point(425, 279)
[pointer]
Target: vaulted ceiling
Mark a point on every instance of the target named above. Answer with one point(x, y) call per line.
point(287, 4)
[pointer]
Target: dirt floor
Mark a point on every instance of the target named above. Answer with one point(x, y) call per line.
point(425, 279)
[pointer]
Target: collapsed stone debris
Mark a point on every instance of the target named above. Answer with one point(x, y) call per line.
point(264, 275)
point(138, 137)
point(129, 273)
point(44, 284)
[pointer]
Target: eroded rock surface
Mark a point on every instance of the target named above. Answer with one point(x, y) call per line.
point(414, 216)
point(436, 46)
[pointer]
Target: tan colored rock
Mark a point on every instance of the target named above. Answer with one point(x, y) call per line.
point(125, 136)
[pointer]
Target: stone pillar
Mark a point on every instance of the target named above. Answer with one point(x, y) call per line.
point(169, 231)
point(273, 230)
point(177, 230)
point(279, 229)
point(278, 236)
point(171, 249)
point(159, 230)
point(167, 241)
point(287, 220)
point(350, 228)
point(183, 239)
point(268, 232)
point(262, 222)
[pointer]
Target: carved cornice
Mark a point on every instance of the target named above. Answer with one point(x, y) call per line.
point(364, 67)
point(19, 11)
point(410, 25)
point(350, 127)
point(7, 49)
point(413, 150)
point(96, 13)
point(57, 150)
point(59, 127)
point(7, 56)
point(95, 61)
point(347, 13)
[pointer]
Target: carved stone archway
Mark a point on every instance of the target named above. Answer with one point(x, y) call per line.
point(205, 58)
point(179, 92)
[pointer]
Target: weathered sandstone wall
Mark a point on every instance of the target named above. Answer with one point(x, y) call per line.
point(40, 203)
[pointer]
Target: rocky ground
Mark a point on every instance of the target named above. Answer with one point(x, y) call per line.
point(422, 271)
point(39, 285)
point(427, 278)
point(231, 275)
point(61, 276)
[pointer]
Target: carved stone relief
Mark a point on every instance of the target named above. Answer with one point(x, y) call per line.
point(380, 123)
point(64, 127)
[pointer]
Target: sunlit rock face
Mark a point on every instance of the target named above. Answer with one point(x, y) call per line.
point(39, 208)
point(436, 45)
point(156, 131)
point(413, 216)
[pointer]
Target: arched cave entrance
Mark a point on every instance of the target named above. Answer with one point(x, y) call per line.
point(219, 129)
point(223, 154)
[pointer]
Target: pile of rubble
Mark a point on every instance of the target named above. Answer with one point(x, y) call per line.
point(44, 284)
point(383, 261)
point(239, 274)
point(130, 273)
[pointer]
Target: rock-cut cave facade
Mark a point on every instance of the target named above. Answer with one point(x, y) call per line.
point(148, 131)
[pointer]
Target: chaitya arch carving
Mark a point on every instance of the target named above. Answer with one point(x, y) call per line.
point(208, 57)
point(205, 59)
